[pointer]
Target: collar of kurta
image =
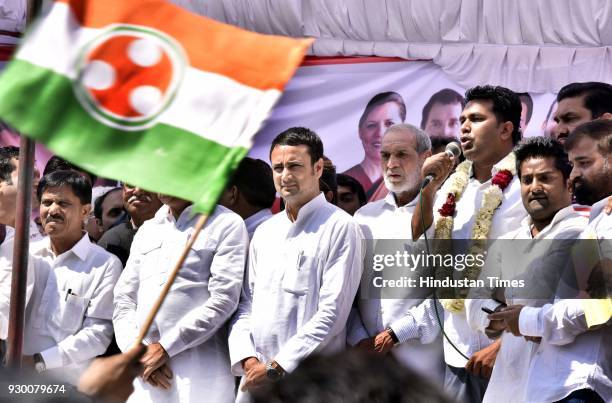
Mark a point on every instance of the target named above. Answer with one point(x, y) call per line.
point(80, 249)
point(597, 208)
point(309, 208)
point(391, 201)
point(184, 218)
point(561, 215)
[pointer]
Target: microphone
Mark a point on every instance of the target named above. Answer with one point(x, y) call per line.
point(452, 150)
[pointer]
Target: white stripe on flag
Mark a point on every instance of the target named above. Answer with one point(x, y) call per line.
point(209, 105)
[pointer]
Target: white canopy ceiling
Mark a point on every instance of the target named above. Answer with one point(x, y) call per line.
point(528, 45)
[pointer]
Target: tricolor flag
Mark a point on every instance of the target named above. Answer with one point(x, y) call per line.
point(146, 92)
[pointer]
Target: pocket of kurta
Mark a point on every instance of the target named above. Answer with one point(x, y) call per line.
point(71, 312)
point(297, 278)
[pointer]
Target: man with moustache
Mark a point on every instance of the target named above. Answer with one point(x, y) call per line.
point(490, 125)
point(140, 205)
point(187, 356)
point(402, 324)
point(579, 103)
point(543, 169)
point(303, 271)
point(70, 283)
point(573, 359)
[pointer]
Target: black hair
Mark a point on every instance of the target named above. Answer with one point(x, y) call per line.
point(381, 99)
point(100, 200)
point(327, 181)
point(599, 130)
point(297, 136)
point(543, 146)
point(506, 105)
point(6, 165)
point(525, 98)
point(253, 178)
point(597, 96)
point(79, 184)
point(445, 96)
point(57, 163)
point(351, 376)
point(354, 185)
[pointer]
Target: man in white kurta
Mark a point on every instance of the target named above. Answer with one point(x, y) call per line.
point(303, 272)
point(188, 335)
point(250, 193)
point(528, 254)
point(489, 129)
point(411, 319)
point(573, 359)
point(70, 284)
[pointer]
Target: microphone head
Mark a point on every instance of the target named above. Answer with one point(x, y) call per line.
point(453, 149)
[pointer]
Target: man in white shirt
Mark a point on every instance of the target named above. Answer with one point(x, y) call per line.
point(406, 326)
point(250, 193)
point(543, 169)
point(303, 272)
point(187, 358)
point(572, 363)
point(70, 283)
point(489, 130)
point(9, 182)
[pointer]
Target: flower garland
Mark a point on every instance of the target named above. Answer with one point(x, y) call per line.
point(503, 172)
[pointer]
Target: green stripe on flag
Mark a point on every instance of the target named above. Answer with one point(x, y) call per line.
point(165, 159)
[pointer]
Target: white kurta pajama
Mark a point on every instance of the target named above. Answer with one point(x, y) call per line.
point(506, 218)
point(509, 378)
point(412, 318)
point(69, 305)
point(191, 323)
point(302, 278)
point(571, 356)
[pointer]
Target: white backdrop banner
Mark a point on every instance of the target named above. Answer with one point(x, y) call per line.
point(330, 99)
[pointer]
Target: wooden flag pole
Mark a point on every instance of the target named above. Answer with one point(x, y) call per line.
point(22, 236)
point(20, 253)
point(144, 328)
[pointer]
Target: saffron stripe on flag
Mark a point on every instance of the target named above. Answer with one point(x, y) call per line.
point(186, 165)
point(233, 52)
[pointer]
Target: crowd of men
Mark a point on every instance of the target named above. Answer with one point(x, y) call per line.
point(260, 293)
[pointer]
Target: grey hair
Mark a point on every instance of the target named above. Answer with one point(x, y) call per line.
point(423, 142)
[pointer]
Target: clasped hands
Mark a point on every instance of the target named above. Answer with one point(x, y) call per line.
point(156, 370)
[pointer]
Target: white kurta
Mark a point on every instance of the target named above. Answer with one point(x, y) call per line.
point(69, 305)
point(302, 278)
point(570, 356)
point(507, 217)
point(412, 318)
point(191, 323)
point(255, 220)
point(509, 378)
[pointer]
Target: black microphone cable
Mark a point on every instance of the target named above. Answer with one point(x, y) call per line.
point(435, 299)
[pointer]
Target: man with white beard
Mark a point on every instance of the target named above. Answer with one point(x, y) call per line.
point(402, 321)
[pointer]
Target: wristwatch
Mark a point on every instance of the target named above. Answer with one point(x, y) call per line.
point(393, 335)
point(39, 363)
point(274, 372)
